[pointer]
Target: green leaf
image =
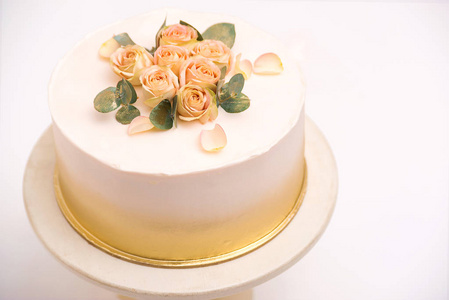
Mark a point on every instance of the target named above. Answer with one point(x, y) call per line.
point(200, 37)
point(124, 39)
point(105, 101)
point(221, 80)
point(160, 116)
point(223, 91)
point(223, 72)
point(126, 114)
point(174, 110)
point(236, 104)
point(236, 84)
point(133, 92)
point(219, 89)
point(224, 32)
point(124, 92)
point(157, 35)
point(231, 89)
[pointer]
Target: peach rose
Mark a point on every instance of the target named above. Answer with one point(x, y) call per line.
point(171, 57)
point(178, 35)
point(196, 103)
point(158, 83)
point(129, 61)
point(216, 51)
point(200, 71)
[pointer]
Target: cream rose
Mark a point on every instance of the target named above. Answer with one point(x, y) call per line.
point(216, 51)
point(196, 103)
point(178, 35)
point(171, 57)
point(129, 61)
point(158, 83)
point(199, 71)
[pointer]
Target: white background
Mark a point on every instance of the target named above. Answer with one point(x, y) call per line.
point(378, 87)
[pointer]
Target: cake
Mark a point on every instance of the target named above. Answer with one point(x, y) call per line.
point(158, 197)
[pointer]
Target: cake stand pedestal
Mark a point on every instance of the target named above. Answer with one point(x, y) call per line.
point(221, 280)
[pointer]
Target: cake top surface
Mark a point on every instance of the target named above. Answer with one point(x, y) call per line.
point(276, 103)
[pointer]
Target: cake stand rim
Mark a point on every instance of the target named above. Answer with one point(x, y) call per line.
point(314, 139)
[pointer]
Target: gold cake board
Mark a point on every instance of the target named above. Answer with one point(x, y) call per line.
point(205, 282)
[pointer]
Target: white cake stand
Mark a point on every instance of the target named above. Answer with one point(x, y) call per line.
point(220, 280)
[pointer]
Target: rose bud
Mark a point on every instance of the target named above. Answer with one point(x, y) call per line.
point(216, 51)
point(171, 57)
point(158, 83)
point(178, 35)
point(199, 71)
point(196, 103)
point(129, 61)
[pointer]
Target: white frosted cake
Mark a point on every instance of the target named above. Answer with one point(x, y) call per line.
point(157, 196)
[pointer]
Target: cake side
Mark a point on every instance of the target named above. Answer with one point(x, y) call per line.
point(187, 216)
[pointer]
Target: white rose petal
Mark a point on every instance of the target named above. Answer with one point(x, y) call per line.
point(268, 64)
point(213, 140)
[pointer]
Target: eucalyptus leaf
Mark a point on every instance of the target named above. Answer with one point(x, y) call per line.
point(133, 92)
point(126, 114)
point(124, 92)
point(223, 93)
point(223, 72)
point(105, 101)
point(161, 117)
point(219, 88)
point(236, 84)
point(236, 104)
point(200, 37)
point(221, 81)
point(157, 35)
point(224, 32)
point(124, 39)
point(230, 89)
point(174, 109)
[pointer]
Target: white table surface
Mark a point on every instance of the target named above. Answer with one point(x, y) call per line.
point(378, 87)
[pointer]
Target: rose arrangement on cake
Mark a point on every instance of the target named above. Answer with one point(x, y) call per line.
point(183, 76)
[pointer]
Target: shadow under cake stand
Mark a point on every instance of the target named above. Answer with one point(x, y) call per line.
point(207, 282)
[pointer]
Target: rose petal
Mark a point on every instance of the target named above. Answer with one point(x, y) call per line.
point(244, 67)
point(139, 124)
point(205, 117)
point(213, 140)
point(189, 118)
point(108, 47)
point(268, 64)
point(153, 102)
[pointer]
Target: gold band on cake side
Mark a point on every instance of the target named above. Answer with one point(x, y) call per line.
point(92, 239)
